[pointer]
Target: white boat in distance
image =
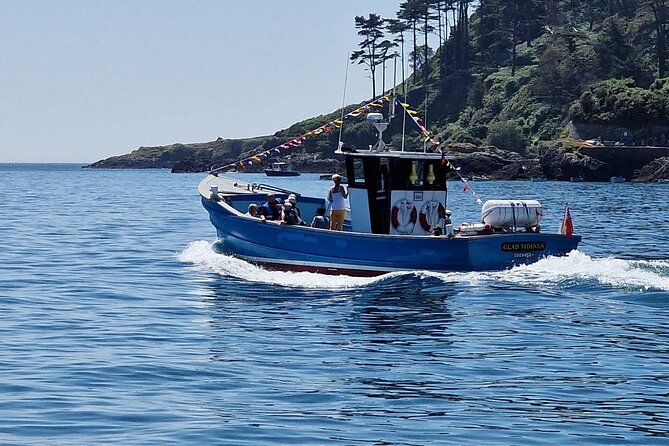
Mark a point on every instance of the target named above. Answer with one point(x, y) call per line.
point(280, 169)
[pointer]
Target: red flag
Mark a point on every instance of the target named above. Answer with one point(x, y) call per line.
point(567, 226)
point(466, 188)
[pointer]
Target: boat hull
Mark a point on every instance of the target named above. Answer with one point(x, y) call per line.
point(331, 252)
point(281, 173)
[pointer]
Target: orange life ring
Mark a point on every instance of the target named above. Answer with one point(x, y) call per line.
point(441, 212)
point(405, 226)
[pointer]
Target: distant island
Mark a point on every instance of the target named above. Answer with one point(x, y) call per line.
point(556, 89)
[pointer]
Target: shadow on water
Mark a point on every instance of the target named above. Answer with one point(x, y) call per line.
point(403, 304)
point(407, 304)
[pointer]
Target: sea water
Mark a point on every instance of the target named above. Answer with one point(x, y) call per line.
point(120, 325)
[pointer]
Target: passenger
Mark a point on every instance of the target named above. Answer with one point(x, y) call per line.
point(337, 196)
point(320, 221)
point(253, 210)
point(271, 209)
point(448, 224)
point(292, 199)
point(437, 230)
point(289, 216)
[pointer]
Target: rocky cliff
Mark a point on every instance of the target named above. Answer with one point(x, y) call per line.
point(554, 162)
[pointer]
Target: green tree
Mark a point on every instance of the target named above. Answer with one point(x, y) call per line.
point(506, 135)
point(369, 54)
point(410, 13)
point(660, 24)
point(615, 54)
point(398, 27)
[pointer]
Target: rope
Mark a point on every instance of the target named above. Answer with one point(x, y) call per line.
point(428, 137)
point(325, 128)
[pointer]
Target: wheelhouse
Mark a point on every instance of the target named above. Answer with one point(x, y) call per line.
point(396, 192)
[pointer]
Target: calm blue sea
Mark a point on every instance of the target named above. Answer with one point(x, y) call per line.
point(119, 325)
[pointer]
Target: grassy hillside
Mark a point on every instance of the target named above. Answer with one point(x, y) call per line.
point(524, 76)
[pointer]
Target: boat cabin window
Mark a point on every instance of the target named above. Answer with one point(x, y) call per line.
point(405, 174)
point(410, 174)
point(355, 172)
point(364, 172)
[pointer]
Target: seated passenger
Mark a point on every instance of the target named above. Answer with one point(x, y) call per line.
point(289, 216)
point(292, 199)
point(320, 220)
point(253, 210)
point(271, 209)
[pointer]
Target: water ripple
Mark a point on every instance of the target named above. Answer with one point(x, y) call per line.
point(122, 326)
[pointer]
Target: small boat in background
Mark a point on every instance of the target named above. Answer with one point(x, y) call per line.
point(480, 178)
point(617, 179)
point(578, 179)
point(280, 169)
point(538, 179)
point(663, 180)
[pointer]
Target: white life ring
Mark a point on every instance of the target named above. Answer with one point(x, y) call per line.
point(430, 214)
point(404, 216)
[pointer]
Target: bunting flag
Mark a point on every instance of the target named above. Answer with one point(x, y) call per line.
point(325, 128)
point(428, 137)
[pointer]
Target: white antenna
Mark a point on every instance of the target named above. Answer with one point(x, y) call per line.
point(343, 104)
point(425, 118)
point(392, 96)
point(376, 119)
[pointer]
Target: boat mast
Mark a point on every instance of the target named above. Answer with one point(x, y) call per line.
point(404, 90)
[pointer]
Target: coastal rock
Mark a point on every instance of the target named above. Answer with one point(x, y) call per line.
point(554, 162)
point(562, 165)
point(492, 162)
point(656, 170)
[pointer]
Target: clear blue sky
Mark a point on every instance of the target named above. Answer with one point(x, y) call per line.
point(83, 80)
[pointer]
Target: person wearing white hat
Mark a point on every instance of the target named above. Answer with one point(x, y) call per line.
point(448, 224)
point(292, 199)
point(288, 215)
point(337, 196)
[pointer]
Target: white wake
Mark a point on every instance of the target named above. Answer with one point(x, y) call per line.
point(571, 270)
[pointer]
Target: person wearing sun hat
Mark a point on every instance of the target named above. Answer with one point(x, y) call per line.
point(288, 215)
point(292, 199)
point(337, 196)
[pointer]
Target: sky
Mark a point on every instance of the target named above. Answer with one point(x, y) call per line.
point(83, 80)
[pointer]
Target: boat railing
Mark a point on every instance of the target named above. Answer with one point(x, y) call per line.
point(268, 187)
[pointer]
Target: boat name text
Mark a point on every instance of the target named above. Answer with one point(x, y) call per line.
point(523, 246)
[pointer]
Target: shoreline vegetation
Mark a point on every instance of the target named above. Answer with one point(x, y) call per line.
point(578, 89)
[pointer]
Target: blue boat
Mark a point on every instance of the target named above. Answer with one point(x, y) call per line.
point(617, 179)
point(402, 226)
